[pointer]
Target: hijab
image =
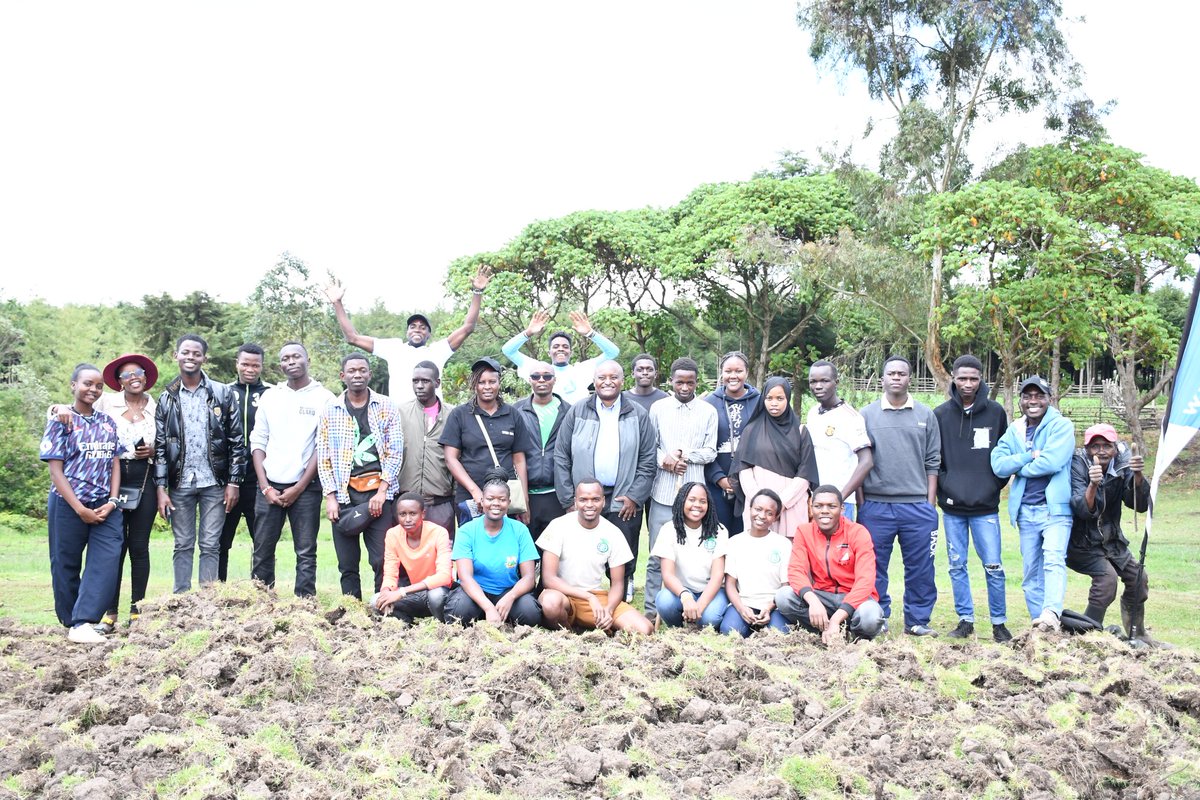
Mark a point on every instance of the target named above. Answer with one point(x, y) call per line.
point(779, 444)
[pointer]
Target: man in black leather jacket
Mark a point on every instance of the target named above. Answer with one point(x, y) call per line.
point(200, 457)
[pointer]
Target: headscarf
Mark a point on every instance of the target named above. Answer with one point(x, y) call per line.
point(779, 444)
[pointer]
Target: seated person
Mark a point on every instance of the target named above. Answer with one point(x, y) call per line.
point(1105, 475)
point(831, 577)
point(576, 548)
point(422, 549)
point(691, 550)
point(756, 566)
point(495, 559)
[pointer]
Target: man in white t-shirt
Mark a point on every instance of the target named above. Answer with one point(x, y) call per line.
point(402, 355)
point(576, 549)
point(839, 437)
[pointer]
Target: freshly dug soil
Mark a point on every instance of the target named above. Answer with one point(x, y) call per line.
point(232, 693)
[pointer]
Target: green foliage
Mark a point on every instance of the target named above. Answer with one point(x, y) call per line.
point(289, 305)
point(23, 478)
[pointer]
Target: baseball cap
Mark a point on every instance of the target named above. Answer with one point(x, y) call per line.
point(1103, 430)
point(1036, 381)
point(488, 362)
point(419, 318)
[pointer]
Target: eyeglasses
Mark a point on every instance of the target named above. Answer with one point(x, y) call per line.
point(541, 376)
point(132, 373)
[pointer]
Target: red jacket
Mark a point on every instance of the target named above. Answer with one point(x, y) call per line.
point(843, 563)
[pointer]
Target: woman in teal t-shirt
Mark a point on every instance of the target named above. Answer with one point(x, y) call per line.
point(495, 558)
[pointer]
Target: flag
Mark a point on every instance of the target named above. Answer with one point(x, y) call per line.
point(1182, 419)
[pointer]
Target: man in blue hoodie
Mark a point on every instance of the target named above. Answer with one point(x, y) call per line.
point(1037, 450)
point(969, 492)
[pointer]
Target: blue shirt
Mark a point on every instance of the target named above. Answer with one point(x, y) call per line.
point(1035, 488)
point(497, 558)
point(86, 449)
point(607, 455)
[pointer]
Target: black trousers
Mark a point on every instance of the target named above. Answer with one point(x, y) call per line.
point(349, 553)
point(244, 508)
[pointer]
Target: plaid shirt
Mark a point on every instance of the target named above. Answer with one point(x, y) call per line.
point(336, 437)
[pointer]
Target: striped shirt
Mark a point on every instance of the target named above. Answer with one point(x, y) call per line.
point(690, 427)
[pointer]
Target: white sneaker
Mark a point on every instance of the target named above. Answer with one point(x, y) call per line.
point(85, 634)
point(1047, 621)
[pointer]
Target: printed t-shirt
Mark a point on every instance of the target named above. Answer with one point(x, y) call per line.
point(693, 560)
point(86, 451)
point(760, 565)
point(837, 436)
point(497, 558)
point(583, 554)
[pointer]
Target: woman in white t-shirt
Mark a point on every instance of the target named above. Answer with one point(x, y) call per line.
point(691, 549)
point(756, 566)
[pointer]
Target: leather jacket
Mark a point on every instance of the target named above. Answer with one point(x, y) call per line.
point(226, 444)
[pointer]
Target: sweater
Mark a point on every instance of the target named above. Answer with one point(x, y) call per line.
point(908, 449)
point(967, 486)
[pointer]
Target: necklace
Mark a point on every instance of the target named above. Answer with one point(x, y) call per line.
point(136, 412)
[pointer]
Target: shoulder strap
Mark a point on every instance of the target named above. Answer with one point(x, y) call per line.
point(487, 439)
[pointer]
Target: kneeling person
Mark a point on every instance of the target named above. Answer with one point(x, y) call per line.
point(423, 550)
point(576, 548)
point(756, 567)
point(495, 557)
point(831, 577)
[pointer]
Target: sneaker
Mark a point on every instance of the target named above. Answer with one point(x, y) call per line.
point(1047, 621)
point(920, 630)
point(629, 593)
point(965, 630)
point(1000, 634)
point(884, 630)
point(85, 634)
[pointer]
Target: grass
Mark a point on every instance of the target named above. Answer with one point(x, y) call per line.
point(1172, 562)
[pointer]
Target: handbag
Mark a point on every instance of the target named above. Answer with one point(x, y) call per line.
point(130, 497)
point(516, 491)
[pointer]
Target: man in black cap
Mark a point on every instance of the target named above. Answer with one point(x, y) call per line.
point(402, 355)
point(359, 451)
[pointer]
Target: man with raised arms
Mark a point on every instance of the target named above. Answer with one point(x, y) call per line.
point(571, 379)
point(402, 355)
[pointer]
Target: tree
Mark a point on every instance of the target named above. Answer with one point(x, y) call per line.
point(943, 66)
point(745, 253)
point(161, 319)
point(289, 305)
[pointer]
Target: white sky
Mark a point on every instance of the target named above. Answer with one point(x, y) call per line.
point(149, 147)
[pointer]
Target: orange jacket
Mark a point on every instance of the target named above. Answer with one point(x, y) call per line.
point(842, 563)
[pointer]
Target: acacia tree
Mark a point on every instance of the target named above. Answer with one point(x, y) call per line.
point(1135, 225)
point(943, 66)
point(744, 252)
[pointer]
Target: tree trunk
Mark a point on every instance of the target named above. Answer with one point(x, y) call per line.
point(1055, 362)
point(933, 338)
point(1131, 410)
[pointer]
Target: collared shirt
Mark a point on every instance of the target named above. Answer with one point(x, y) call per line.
point(338, 436)
point(838, 434)
point(424, 469)
point(886, 404)
point(196, 472)
point(607, 455)
point(690, 427)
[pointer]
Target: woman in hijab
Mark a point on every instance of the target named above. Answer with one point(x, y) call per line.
point(776, 453)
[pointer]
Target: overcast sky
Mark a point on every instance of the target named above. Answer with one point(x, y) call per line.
point(150, 147)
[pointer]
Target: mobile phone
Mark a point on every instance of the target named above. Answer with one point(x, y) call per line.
point(141, 442)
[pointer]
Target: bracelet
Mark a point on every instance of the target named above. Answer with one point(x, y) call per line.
point(264, 491)
point(477, 291)
point(116, 501)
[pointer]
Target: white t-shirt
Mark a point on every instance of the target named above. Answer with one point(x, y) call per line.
point(837, 436)
point(401, 358)
point(285, 428)
point(693, 561)
point(760, 564)
point(582, 553)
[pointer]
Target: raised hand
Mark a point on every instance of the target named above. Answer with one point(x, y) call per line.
point(335, 291)
point(538, 323)
point(581, 323)
point(482, 277)
point(1095, 471)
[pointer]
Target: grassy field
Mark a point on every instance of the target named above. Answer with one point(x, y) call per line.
point(1173, 564)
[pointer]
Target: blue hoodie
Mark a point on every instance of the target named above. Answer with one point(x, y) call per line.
point(719, 468)
point(1055, 439)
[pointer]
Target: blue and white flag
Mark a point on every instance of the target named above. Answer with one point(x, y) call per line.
point(1183, 404)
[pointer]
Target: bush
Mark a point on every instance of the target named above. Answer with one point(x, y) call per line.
point(24, 480)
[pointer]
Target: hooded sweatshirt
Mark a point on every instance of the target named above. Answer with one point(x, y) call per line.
point(967, 486)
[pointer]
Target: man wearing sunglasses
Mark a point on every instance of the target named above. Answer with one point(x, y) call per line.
point(542, 412)
point(571, 379)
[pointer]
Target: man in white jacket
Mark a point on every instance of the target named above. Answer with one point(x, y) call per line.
point(284, 451)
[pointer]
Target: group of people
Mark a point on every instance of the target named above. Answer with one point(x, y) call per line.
point(531, 512)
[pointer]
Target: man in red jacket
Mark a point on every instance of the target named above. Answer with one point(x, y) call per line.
point(831, 575)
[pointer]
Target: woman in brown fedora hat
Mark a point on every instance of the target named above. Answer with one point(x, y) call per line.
point(131, 377)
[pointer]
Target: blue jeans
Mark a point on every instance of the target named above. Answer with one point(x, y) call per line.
point(670, 608)
point(984, 529)
point(82, 599)
point(657, 515)
point(732, 622)
point(304, 518)
point(207, 506)
point(850, 510)
point(916, 526)
point(1044, 555)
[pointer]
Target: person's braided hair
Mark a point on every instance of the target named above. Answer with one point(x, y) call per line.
point(496, 476)
point(708, 525)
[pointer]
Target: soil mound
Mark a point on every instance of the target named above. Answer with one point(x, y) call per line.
point(231, 693)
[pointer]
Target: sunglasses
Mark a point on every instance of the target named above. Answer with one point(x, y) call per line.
point(132, 373)
point(541, 376)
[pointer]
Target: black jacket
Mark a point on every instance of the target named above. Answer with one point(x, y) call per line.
point(226, 443)
point(247, 396)
point(967, 487)
point(539, 464)
point(1099, 530)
